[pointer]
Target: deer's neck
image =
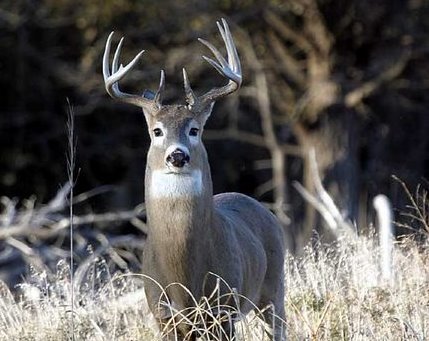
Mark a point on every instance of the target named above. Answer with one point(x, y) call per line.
point(179, 211)
point(178, 205)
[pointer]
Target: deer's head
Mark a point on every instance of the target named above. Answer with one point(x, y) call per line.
point(175, 130)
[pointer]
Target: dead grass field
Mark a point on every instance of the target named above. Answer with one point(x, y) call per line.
point(334, 292)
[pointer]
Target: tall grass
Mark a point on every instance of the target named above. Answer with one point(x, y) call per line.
point(334, 292)
point(338, 292)
point(106, 307)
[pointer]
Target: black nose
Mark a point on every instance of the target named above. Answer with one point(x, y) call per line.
point(178, 158)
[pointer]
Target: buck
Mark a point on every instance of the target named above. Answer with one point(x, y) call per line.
point(191, 233)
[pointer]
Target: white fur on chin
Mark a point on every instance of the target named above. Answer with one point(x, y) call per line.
point(174, 185)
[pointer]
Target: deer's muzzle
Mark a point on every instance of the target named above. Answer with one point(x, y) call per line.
point(178, 158)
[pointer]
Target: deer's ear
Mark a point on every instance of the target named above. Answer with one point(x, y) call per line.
point(204, 112)
point(148, 94)
point(150, 111)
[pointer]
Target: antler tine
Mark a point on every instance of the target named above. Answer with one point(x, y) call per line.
point(233, 58)
point(115, 62)
point(159, 93)
point(230, 69)
point(106, 68)
point(190, 97)
point(111, 79)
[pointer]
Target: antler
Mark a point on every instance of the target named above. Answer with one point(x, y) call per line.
point(111, 80)
point(231, 69)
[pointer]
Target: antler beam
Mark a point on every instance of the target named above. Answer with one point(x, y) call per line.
point(118, 72)
point(230, 69)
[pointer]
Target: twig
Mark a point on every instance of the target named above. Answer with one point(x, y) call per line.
point(322, 318)
point(71, 163)
point(420, 211)
point(27, 251)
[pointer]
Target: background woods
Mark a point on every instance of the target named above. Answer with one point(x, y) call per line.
point(347, 78)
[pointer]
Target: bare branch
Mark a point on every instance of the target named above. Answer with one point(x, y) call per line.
point(27, 252)
point(264, 188)
point(19, 230)
point(287, 32)
point(356, 96)
point(315, 28)
point(317, 204)
point(250, 138)
point(323, 202)
point(272, 143)
point(288, 63)
point(234, 134)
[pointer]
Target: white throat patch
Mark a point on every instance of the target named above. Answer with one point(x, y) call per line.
point(175, 185)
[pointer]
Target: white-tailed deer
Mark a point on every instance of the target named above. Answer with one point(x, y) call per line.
point(191, 232)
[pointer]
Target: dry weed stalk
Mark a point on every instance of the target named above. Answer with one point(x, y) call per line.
point(418, 208)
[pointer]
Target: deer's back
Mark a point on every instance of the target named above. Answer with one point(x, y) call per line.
point(248, 215)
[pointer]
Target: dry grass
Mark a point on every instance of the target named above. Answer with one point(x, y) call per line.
point(333, 293)
point(106, 307)
point(337, 293)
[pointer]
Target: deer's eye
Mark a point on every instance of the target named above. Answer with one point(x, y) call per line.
point(158, 132)
point(193, 132)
